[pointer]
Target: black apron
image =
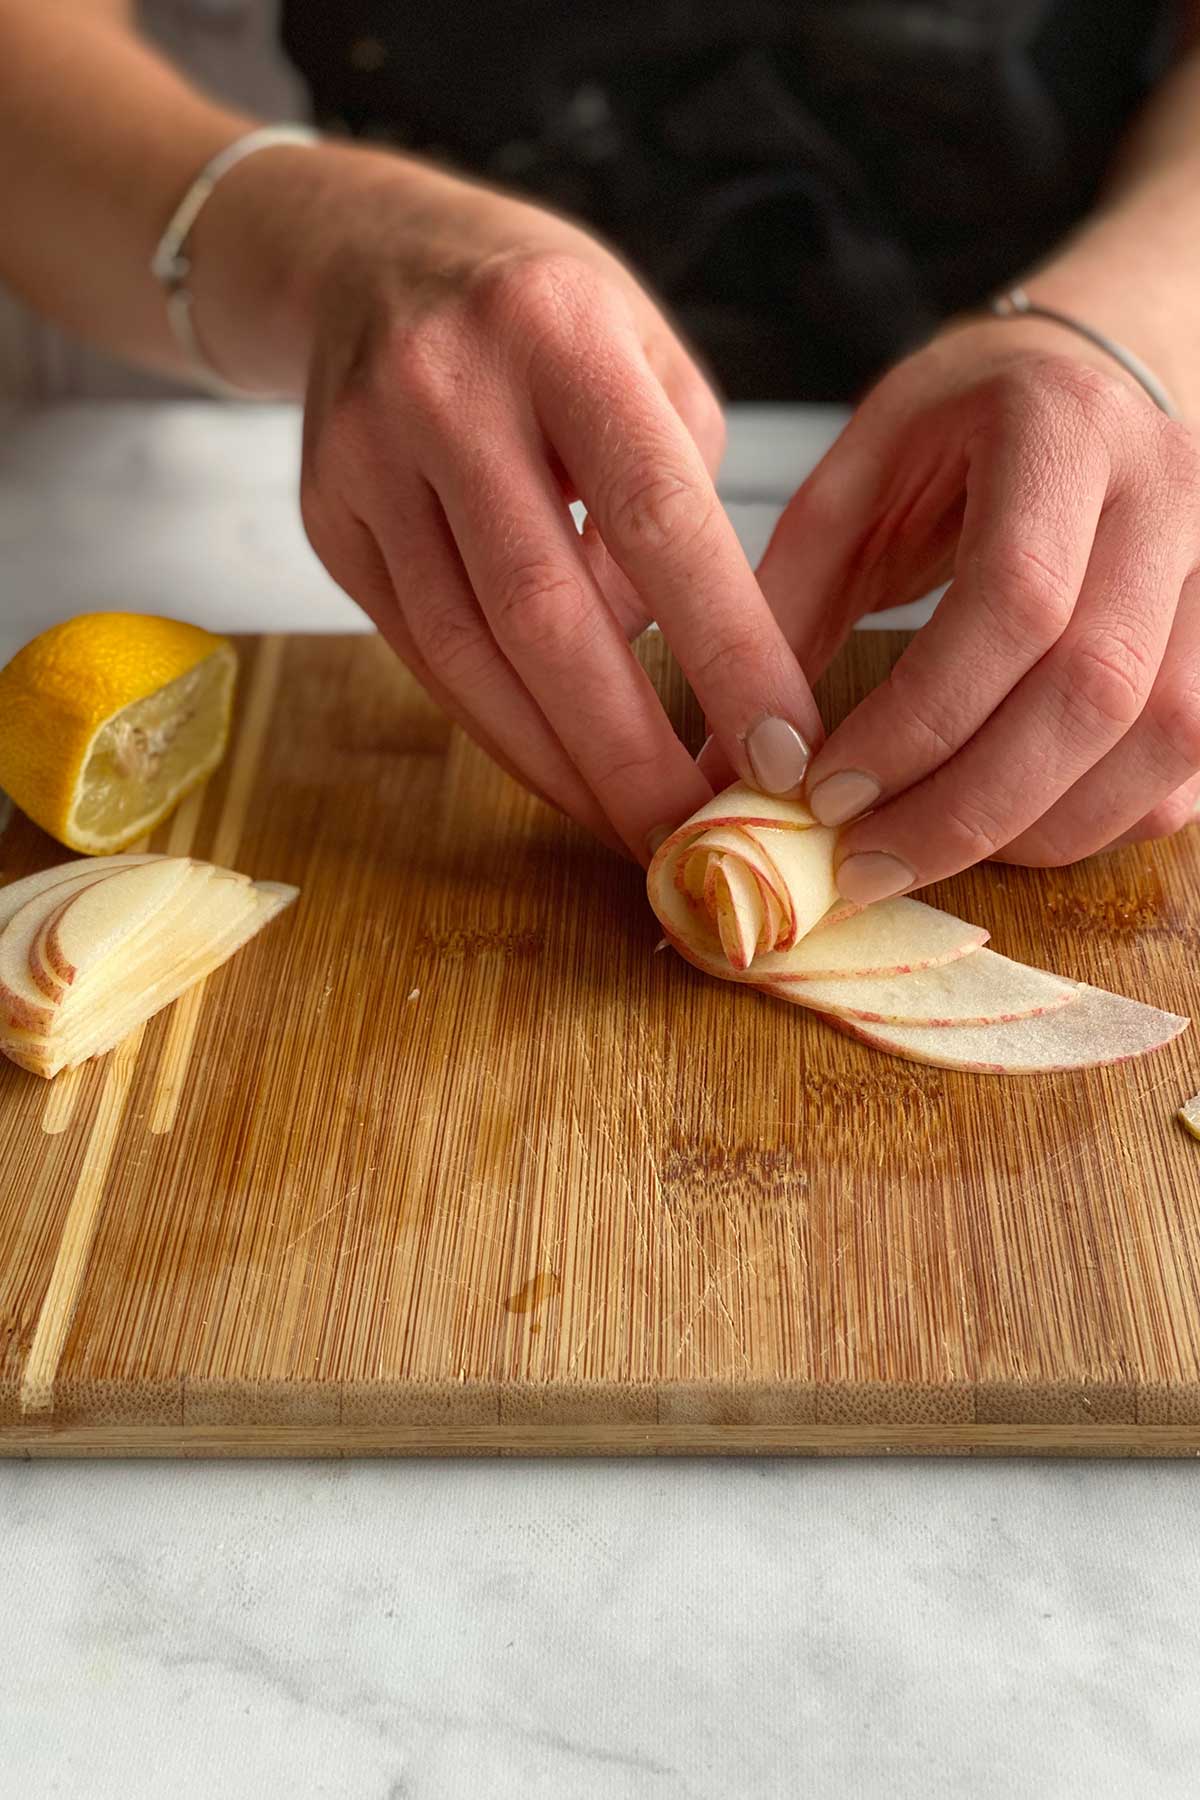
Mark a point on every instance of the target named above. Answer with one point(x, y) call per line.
point(810, 187)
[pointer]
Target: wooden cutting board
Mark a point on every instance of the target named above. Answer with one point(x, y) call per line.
point(450, 1160)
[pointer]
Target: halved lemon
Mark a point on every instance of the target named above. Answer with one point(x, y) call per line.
point(109, 720)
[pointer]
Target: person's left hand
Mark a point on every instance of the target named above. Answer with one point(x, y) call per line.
point(1051, 707)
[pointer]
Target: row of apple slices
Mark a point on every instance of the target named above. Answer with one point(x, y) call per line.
point(90, 949)
point(745, 891)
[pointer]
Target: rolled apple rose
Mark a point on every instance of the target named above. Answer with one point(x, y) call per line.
point(745, 891)
point(743, 881)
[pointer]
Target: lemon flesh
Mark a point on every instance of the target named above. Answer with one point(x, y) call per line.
point(143, 761)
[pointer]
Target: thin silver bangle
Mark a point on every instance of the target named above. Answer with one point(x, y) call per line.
point(171, 264)
point(1016, 304)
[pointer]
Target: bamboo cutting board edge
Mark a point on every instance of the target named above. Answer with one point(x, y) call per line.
point(869, 1440)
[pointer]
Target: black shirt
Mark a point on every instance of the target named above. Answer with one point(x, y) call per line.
point(810, 187)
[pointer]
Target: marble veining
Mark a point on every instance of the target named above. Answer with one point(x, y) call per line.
point(672, 1630)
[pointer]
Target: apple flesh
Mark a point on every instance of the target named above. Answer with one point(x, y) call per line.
point(88, 955)
point(18, 893)
point(98, 919)
point(1098, 1028)
point(893, 937)
point(104, 1027)
point(980, 989)
point(27, 996)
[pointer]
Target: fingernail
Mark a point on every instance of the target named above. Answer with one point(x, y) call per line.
point(873, 875)
point(704, 746)
point(656, 837)
point(843, 796)
point(778, 756)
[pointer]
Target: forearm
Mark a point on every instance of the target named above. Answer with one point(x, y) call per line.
point(99, 138)
point(1133, 269)
point(99, 141)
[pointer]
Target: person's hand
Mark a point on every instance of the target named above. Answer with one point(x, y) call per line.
point(476, 364)
point(1051, 706)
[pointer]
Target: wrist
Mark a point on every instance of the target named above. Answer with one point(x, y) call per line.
point(265, 246)
point(246, 251)
point(997, 340)
point(296, 243)
point(1110, 278)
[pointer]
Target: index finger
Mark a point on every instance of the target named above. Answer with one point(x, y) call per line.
point(1027, 534)
point(643, 480)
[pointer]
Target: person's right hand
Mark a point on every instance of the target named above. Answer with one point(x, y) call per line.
point(476, 364)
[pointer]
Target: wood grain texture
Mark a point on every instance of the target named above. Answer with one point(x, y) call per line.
point(457, 1163)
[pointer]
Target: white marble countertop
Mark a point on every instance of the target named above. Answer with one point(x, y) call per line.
point(705, 1630)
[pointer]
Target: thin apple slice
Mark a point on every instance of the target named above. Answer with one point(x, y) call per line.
point(224, 910)
point(26, 1010)
point(1098, 1028)
point(102, 915)
point(736, 900)
point(18, 893)
point(981, 989)
point(106, 1027)
point(207, 901)
point(899, 975)
point(893, 937)
point(744, 807)
point(722, 839)
point(25, 1000)
point(803, 860)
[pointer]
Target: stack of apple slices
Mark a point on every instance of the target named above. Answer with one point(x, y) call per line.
point(745, 891)
point(90, 949)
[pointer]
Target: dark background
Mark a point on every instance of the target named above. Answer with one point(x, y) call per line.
point(810, 187)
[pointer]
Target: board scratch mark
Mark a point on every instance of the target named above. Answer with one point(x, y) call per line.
point(582, 1343)
point(1154, 1086)
point(185, 1019)
point(606, 1123)
point(70, 1262)
point(301, 1235)
point(639, 1113)
point(489, 1075)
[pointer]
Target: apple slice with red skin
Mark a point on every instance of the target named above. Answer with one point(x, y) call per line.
point(893, 937)
point(732, 892)
point(18, 893)
point(97, 1029)
point(900, 975)
point(25, 1000)
point(980, 989)
point(207, 915)
point(269, 899)
point(171, 919)
point(745, 875)
point(1098, 1028)
point(100, 916)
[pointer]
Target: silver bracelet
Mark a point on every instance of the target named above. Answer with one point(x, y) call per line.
point(1016, 304)
point(171, 265)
